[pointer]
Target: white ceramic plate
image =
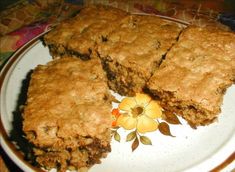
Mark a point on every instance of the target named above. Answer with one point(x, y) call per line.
point(191, 150)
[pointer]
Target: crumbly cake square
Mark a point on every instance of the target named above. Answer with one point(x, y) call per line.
point(193, 78)
point(79, 35)
point(67, 114)
point(135, 49)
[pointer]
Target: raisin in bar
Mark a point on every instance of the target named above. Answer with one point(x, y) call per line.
point(67, 115)
point(135, 49)
point(193, 78)
point(79, 35)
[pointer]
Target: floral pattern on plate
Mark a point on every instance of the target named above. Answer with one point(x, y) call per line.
point(141, 114)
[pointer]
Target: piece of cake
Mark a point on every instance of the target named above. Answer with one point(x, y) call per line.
point(193, 78)
point(79, 35)
point(67, 116)
point(134, 50)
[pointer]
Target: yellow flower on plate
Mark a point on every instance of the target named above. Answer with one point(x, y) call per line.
point(139, 112)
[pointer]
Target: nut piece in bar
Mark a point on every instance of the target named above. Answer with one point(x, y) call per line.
point(67, 114)
point(193, 78)
point(79, 35)
point(134, 50)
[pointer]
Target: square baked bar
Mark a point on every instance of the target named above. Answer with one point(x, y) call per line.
point(79, 35)
point(135, 49)
point(195, 74)
point(67, 116)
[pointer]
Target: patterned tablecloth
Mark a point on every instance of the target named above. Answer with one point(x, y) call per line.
point(22, 21)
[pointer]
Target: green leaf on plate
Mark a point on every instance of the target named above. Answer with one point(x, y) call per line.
point(117, 136)
point(145, 140)
point(131, 136)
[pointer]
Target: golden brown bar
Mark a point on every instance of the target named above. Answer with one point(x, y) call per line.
point(196, 73)
point(79, 35)
point(135, 49)
point(67, 116)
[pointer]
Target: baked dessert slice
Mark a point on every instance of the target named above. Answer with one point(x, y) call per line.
point(67, 114)
point(79, 35)
point(134, 50)
point(193, 78)
point(129, 46)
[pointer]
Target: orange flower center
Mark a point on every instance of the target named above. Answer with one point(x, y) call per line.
point(136, 111)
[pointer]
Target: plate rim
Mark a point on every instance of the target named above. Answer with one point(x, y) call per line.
point(10, 149)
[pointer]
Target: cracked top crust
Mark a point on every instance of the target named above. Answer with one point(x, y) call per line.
point(140, 41)
point(67, 97)
point(199, 68)
point(82, 32)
